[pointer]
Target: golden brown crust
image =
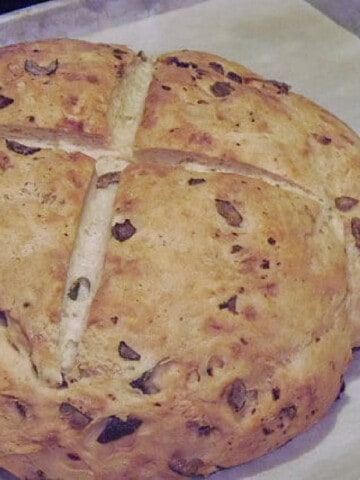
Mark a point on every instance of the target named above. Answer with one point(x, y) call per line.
point(41, 200)
point(198, 356)
point(202, 104)
point(227, 307)
point(61, 89)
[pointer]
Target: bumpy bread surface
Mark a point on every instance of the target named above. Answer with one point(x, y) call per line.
point(70, 98)
point(226, 312)
point(41, 201)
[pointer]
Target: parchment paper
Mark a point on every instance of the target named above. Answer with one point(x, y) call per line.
point(286, 40)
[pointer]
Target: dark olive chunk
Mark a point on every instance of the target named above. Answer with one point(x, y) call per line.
point(108, 179)
point(289, 412)
point(184, 467)
point(145, 383)
point(276, 393)
point(116, 428)
point(217, 67)
point(3, 318)
point(282, 87)
point(73, 456)
point(236, 395)
point(196, 181)
point(20, 148)
point(229, 304)
point(355, 230)
point(123, 231)
point(203, 430)
point(344, 204)
point(179, 63)
point(75, 417)
point(5, 101)
point(267, 431)
point(21, 408)
point(229, 212)
point(41, 475)
point(322, 139)
point(221, 89)
point(33, 68)
point(234, 77)
point(265, 264)
point(79, 283)
point(141, 54)
point(127, 352)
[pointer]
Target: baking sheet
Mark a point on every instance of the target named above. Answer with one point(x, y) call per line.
point(287, 40)
point(346, 13)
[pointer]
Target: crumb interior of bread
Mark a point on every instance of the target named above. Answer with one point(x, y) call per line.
point(128, 104)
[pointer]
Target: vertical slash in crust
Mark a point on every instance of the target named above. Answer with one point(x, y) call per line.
point(85, 271)
point(128, 104)
point(86, 265)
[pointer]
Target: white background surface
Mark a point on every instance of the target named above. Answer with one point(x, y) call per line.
point(287, 40)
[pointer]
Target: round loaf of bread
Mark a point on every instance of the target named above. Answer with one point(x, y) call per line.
point(179, 255)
